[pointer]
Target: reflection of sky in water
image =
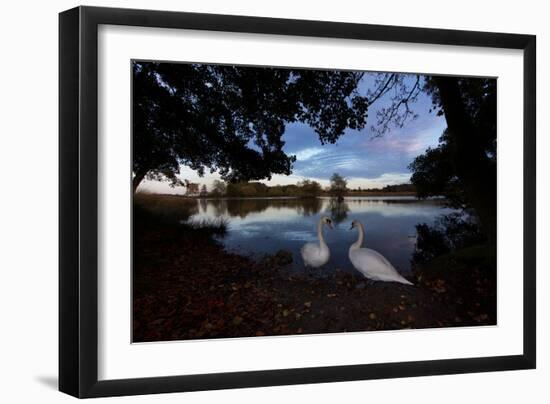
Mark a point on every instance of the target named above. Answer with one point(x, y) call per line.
point(260, 226)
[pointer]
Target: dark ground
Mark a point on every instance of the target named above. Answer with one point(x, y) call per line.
point(186, 286)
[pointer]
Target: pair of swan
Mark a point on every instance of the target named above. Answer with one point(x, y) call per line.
point(370, 263)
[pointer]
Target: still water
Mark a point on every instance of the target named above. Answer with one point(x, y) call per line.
point(265, 225)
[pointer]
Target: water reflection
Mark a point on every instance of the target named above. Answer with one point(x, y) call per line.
point(265, 225)
point(246, 206)
point(338, 210)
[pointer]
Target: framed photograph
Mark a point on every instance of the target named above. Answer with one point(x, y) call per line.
point(251, 201)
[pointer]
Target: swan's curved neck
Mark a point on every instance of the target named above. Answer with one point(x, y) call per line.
point(320, 233)
point(359, 241)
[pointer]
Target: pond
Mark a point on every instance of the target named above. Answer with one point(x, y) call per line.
point(259, 226)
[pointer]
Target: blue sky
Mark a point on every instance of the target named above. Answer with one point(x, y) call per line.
point(365, 160)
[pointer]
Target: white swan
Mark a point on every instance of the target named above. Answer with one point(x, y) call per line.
point(315, 255)
point(370, 263)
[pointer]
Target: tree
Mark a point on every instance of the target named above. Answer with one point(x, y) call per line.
point(309, 188)
point(192, 188)
point(204, 191)
point(231, 119)
point(218, 188)
point(434, 175)
point(338, 186)
point(399, 188)
point(247, 189)
point(469, 106)
point(464, 165)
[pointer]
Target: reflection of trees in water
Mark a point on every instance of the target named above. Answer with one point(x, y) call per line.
point(243, 207)
point(338, 210)
point(216, 207)
point(396, 201)
point(203, 204)
point(309, 206)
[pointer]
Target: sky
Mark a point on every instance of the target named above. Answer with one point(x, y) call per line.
point(367, 161)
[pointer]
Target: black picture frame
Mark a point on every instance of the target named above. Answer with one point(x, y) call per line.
point(78, 201)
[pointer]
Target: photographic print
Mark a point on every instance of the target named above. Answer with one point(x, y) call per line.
point(285, 201)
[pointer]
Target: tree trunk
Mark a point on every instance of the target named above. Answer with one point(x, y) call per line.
point(137, 180)
point(475, 170)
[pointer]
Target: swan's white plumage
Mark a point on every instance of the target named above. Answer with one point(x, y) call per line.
point(374, 266)
point(371, 263)
point(316, 255)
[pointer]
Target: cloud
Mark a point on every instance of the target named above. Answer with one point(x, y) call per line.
point(306, 154)
point(360, 155)
point(402, 145)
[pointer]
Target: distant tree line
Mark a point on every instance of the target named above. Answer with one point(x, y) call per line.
point(401, 188)
point(303, 189)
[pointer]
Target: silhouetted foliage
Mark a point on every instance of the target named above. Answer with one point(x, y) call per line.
point(303, 189)
point(399, 188)
point(219, 188)
point(246, 189)
point(403, 90)
point(434, 175)
point(450, 233)
point(309, 188)
point(463, 166)
point(469, 106)
point(338, 185)
point(231, 119)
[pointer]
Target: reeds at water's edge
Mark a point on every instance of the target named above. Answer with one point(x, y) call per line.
point(176, 211)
